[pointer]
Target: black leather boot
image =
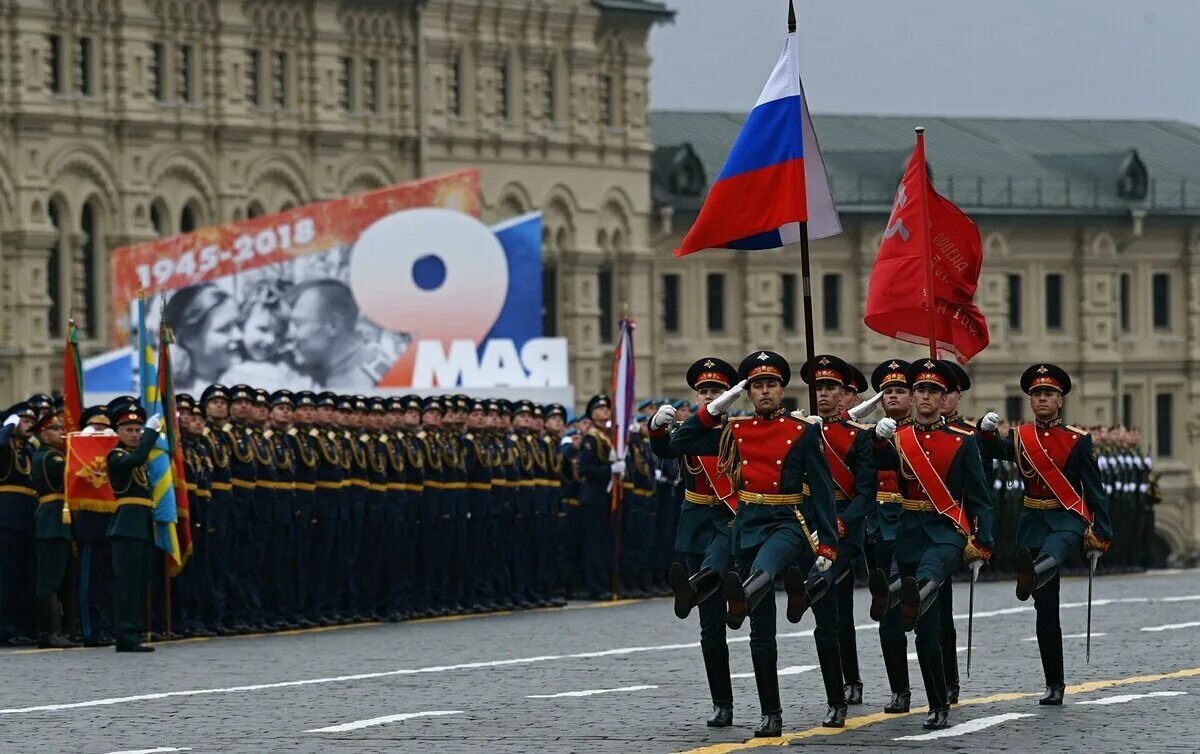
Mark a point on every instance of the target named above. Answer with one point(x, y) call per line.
point(691, 591)
point(899, 704)
point(895, 662)
point(766, 678)
point(830, 659)
point(716, 667)
point(801, 592)
point(853, 692)
point(884, 594)
point(915, 599)
point(744, 597)
point(1032, 572)
point(49, 618)
point(1050, 647)
point(937, 719)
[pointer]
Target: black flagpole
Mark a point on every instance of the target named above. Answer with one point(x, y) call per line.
point(805, 273)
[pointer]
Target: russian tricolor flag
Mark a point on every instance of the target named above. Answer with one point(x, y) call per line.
point(774, 178)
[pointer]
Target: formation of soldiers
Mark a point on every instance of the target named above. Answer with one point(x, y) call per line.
point(784, 494)
point(319, 509)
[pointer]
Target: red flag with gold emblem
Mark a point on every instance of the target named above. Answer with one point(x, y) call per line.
point(87, 486)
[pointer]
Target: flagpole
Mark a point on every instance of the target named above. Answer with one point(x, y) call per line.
point(810, 347)
point(929, 297)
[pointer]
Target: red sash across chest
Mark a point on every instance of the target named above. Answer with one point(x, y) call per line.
point(930, 454)
point(1047, 451)
point(762, 445)
point(839, 437)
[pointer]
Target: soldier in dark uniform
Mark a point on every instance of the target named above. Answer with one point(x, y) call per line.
point(637, 523)
point(281, 553)
point(569, 514)
point(550, 538)
point(430, 558)
point(786, 507)
point(705, 523)
point(890, 379)
point(224, 581)
point(524, 493)
point(505, 478)
point(131, 532)
point(395, 568)
point(191, 586)
point(302, 437)
point(265, 512)
point(351, 413)
point(17, 503)
point(850, 456)
point(52, 529)
point(410, 590)
point(455, 506)
point(1065, 508)
point(374, 541)
point(90, 528)
point(947, 516)
point(327, 568)
point(246, 611)
point(477, 462)
point(597, 464)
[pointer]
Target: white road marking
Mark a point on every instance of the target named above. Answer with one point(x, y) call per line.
point(1184, 598)
point(1068, 636)
point(161, 749)
point(789, 670)
point(615, 652)
point(913, 655)
point(589, 692)
point(383, 720)
point(1172, 626)
point(970, 726)
point(1123, 698)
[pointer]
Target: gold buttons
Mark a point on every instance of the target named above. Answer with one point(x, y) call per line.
point(754, 423)
point(789, 442)
point(758, 498)
point(745, 463)
point(778, 463)
point(774, 484)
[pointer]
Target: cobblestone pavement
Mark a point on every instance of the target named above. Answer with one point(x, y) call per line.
point(513, 683)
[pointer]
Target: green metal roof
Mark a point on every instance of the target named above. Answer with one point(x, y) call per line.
point(987, 164)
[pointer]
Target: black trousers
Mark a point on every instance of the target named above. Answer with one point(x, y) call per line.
point(16, 583)
point(131, 572)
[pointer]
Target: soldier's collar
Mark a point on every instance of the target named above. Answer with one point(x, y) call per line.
point(1057, 422)
point(951, 417)
point(904, 421)
point(936, 424)
point(776, 413)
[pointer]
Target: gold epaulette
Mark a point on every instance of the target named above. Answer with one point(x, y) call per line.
point(268, 434)
point(333, 435)
point(960, 430)
point(292, 431)
point(806, 419)
point(860, 425)
point(314, 432)
point(1077, 430)
point(421, 435)
point(364, 438)
point(468, 436)
point(205, 431)
point(227, 427)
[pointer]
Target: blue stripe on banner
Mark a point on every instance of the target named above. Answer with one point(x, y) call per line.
point(767, 240)
point(771, 134)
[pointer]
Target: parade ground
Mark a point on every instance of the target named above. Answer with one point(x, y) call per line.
point(624, 676)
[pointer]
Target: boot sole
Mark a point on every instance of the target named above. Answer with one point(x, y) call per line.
point(878, 586)
point(735, 597)
point(797, 595)
point(685, 598)
point(910, 603)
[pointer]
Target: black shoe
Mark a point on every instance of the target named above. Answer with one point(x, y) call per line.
point(879, 586)
point(739, 608)
point(835, 717)
point(937, 719)
point(99, 641)
point(681, 587)
point(1053, 696)
point(56, 641)
point(952, 693)
point(134, 648)
point(899, 704)
point(853, 692)
point(22, 641)
point(797, 594)
point(722, 716)
point(771, 726)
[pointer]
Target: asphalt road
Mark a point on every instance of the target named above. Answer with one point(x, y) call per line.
point(619, 677)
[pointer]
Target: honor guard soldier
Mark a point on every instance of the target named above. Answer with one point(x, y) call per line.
point(90, 529)
point(455, 505)
point(326, 572)
point(132, 529)
point(550, 545)
point(477, 460)
point(772, 459)
point(850, 456)
point(245, 610)
point(51, 529)
point(191, 586)
point(265, 513)
point(506, 475)
point(408, 424)
point(890, 379)
point(18, 500)
point(282, 552)
point(432, 528)
point(947, 516)
point(351, 412)
point(371, 560)
point(393, 566)
point(222, 536)
point(856, 383)
point(301, 436)
point(636, 509)
point(598, 464)
point(1065, 505)
point(525, 494)
point(705, 525)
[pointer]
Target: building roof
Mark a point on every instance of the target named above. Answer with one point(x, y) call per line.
point(989, 165)
point(653, 7)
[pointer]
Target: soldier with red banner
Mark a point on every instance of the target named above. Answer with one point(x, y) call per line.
point(773, 459)
point(947, 515)
point(705, 523)
point(1065, 508)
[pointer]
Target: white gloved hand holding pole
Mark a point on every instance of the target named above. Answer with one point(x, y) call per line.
point(885, 428)
point(722, 402)
point(823, 564)
point(664, 416)
point(990, 421)
point(618, 467)
point(155, 422)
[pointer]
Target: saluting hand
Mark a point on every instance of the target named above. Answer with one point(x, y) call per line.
point(721, 404)
point(12, 420)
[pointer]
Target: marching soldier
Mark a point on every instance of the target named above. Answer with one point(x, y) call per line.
point(705, 525)
point(246, 610)
point(52, 528)
point(192, 584)
point(132, 529)
point(883, 520)
point(1065, 506)
point(90, 529)
point(18, 500)
point(597, 464)
point(850, 456)
point(947, 515)
point(301, 437)
point(770, 459)
point(282, 552)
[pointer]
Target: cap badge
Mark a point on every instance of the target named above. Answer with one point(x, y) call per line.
point(1042, 369)
point(763, 356)
point(928, 364)
point(709, 364)
point(823, 361)
point(893, 365)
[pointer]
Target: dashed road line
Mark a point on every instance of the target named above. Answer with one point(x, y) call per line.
point(1172, 626)
point(970, 726)
point(159, 750)
point(1069, 636)
point(357, 724)
point(1123, 698)
point(589, 692)
point(789, 670)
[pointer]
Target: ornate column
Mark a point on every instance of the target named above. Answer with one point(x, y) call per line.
point(26, 363)
point(1098, 356)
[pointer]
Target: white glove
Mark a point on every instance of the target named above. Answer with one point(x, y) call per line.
point(817, 418)
point(564, 442)
point(618, 467)
point(975, 565)
point(885, 428)
point(1093, 556)
point(664, 416)
point(990, 421)
point(12, 421)
point(823, 564)
point(658, 475)
point(155, 422)
point(726, 399)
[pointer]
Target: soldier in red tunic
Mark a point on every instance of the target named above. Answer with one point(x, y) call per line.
point(772, 459)
point(947, 515)
point(1065, 505)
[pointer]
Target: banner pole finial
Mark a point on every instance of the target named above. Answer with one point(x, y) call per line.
point(791, 17)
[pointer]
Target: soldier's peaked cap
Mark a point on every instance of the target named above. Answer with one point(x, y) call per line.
point(858, 380)
point(765, 364)
point(596, 402)
point(891, 373)
point(711, 371)
point(214, 391)
point(931, 372)
point(826, 367)
point(1046, 376)
point(962, 380)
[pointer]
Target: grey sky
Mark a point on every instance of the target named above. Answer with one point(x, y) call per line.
point(1035, 58)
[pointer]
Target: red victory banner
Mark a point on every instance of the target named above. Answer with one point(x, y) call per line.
point(87, 486)
point(922, 287)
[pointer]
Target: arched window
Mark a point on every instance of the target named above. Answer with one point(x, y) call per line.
point(55, 269)
point(159, 217)
point(255, 210)
point(93, 269)
point(454, 85)
point(189, 218)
